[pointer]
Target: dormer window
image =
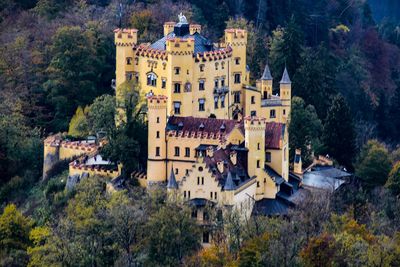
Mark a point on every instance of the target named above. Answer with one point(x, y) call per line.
point(180, 126)
point(201, 127)
point(151, 79)
point(222, 128)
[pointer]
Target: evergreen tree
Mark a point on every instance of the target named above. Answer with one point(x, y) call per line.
point(338, 134)
point(286, 48)
point(304, 129)
point(393, 182)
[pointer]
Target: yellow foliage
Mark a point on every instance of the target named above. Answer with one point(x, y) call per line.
point(78, 124)
point(341, 28)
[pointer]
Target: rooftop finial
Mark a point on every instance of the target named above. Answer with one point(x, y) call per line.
point(182, 19)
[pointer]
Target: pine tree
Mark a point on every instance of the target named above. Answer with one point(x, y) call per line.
point(338, 133)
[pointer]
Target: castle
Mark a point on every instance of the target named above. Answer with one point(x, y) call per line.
point(212, 137)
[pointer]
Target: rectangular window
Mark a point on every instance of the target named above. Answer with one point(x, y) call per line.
point(236, 97)
point(284, 111)
point(258, 163)
point(136, 61)
point(129, 76)
point(268, 156)
point(187, 172)
point(158, 134)
point(201, 85)
point(216, 83)
point(253, 113)
point(201, 67)
point(187, 152)
point(222, 101)
point(177, 151)
point(258, 146)
point(184, 194)
point(176, 171)
point(215, 195)
point(188, 194)
point(222, 82)
point(163, 83)
point(206, 237)
point(202, 180)
point(177, 108)
point(151, 79)
point(253, 99)
point(237, 60)
point(198, 180)
point(177, 88)
point(157, 151)
point(237, 78)
point(177, 70)
point(158, 119)
point(201, 104)
point(128, 61)
point(272, 113)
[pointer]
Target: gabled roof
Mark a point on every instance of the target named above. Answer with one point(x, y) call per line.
point(266, 74)
point(273, 134)
point(285, 77)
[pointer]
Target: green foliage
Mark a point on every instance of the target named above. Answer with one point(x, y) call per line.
point(14, 236)
point(304, 129)
point(393, 182)
point(101, 115)
point(172, 234)
point(338, 134)
point(286, 47)
point(373, 164)
point(78, 125)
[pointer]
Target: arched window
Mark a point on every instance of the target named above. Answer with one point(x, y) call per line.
point(151, 79)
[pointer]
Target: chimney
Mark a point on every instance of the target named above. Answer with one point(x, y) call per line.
point(297, 165)
point(220, 166)
point(233, 157)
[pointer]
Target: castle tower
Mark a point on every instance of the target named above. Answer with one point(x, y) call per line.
point(181, 64)
point(157, 147)
point(255, 143)
point(236, 39)
point(168, 27)
point(124, 40)
point(172, 186)
point(286, 94)
point(266, 83)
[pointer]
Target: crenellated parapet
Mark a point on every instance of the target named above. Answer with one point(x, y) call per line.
point(214, 55)
point(146, 51)
point(125, 37)
point(180, 46)
point(236, 37)
point(254, 123)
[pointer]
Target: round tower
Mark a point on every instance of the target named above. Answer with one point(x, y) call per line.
point(157, 147)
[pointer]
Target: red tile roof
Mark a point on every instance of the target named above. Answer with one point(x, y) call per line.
point(212, 129)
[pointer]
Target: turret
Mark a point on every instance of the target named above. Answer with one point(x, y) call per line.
point(124, 40)
point(168, 27)
point(266, 83)
point(172, 185)
point(157, 121)
point(229, 189)
point(193, 28)
point(286, 93)
point(255, 143)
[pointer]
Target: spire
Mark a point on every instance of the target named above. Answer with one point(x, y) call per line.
point(172, 184)
point(266, 74)
point(229, 185)
point(285, 77)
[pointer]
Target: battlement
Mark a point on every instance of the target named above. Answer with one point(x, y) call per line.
point(168, 27)
point(157, 99)
point(214, 55)
point(125, 37)
point(146, 51)
point(180, 46)
point(193, 28)
point(236, 37)
point(254, 122)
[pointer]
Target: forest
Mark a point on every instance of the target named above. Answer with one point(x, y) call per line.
point(57, 60)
